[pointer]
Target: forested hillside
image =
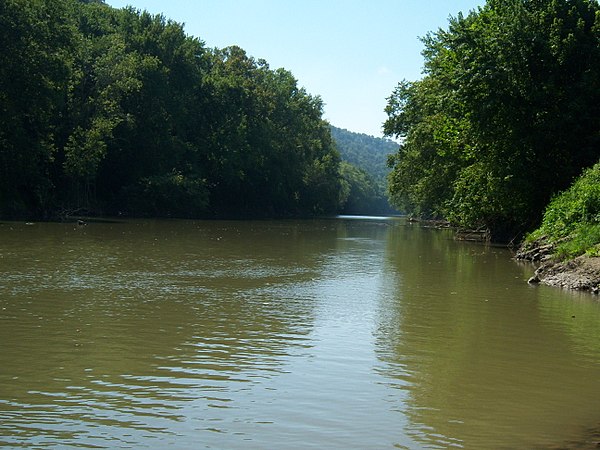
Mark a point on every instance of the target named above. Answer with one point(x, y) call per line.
point(364, 168)
point(112, 111)
point(364, 151)
point(507, 115)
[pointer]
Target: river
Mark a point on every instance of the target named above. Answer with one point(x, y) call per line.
point(343, 333)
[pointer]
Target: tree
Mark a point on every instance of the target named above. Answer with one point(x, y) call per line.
point(364, 170)
point(119, 111)
point(36, 41)
point(506, 115)
point(273, 153)
point(130, 132)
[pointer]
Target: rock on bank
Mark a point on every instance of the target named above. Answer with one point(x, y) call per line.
point(581, 273)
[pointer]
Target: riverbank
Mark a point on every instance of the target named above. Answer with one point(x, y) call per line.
point(581, 273)
point(567, 243)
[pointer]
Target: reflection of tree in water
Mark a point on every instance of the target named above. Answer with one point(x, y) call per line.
point(465, 341)
point(122, 326)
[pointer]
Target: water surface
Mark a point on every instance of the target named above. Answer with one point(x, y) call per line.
point(339, 333)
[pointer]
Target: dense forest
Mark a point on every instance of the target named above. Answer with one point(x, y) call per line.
point(109, 111)
point(117, 111)
point(365, 152)
point(506, 115)
point(364, 169)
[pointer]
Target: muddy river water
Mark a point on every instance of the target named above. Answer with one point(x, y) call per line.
point(342, 333)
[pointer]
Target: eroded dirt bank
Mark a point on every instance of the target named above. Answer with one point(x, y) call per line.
point(581, 273)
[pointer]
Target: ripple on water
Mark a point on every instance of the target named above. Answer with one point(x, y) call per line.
point(337, 334)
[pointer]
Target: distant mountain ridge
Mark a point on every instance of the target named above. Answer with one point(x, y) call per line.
point(364, 168)
point(365, 152)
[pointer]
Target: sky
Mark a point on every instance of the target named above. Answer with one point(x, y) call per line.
point(351, 53)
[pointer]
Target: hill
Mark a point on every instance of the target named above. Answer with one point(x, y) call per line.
point(365, 152)
point(364, 170)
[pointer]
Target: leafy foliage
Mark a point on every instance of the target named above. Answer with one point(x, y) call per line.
point(506, 116)
point(35, 66)
point(572, 219)
point(120, 111)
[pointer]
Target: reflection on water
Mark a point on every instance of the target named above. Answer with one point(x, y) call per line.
point(118, 333)
point(340, 333)
point(487, 361)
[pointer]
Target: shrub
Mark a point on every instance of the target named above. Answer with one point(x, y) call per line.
point(572, 219)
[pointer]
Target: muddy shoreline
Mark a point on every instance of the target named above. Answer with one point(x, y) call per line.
point(581, 273)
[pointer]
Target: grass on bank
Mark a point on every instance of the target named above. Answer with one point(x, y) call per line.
point(572, 219)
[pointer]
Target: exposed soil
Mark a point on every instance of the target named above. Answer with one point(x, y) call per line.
point(581, 273)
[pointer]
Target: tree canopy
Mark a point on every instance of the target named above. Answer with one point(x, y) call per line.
point(119, 111)
point(507, 114)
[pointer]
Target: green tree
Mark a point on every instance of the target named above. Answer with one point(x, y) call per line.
point(509, 104)
point(362, 191)
point(111, 111)
point(36, 40)
point(273, 153)
point(436, 145)
point(131, 134)
point(365, 171)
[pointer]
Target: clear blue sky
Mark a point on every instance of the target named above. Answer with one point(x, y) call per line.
point(352, 53)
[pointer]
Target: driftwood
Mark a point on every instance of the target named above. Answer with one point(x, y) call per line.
point(461, 234)
point(482, 235)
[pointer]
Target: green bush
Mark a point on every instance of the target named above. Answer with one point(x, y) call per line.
point(572, 219)
point(583, 239)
